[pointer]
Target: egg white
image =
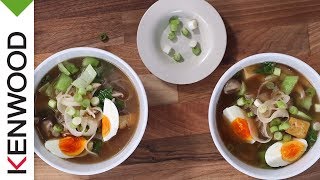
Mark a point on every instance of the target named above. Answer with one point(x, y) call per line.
point(273, 155)
point(53, 146)
point(110, 110)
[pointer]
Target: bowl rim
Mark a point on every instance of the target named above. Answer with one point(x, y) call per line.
point(136, 138)
point(281, 173)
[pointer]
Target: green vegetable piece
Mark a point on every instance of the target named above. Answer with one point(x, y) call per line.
point(90, 60)
point(78, 97)
point(97, 146)
point(120, 104)
point(250, 114)
point(52, 103)
point(173, 19)
point(281, 104)
point(63, 83)
point(177, 57)
point(304, 116)
point(243, 89)
point(311, 92)
point(196, 50)
point(277, 71)
point(274, 129)
point(86, 77)
point(70, 111)
point(306, 103)
point(82, 91)
point(289, 83)
point(95, 101)
point(266, 68)
point(185, 32)
point(312, 137)
point(172, 35)
point(174, 27)
point(58, 128)
point(89, 88)
point(49, 91)
point(286, 138)
point(77, 113)
point(85, 103)
point(70, 67)
point(63, 69)
point(104, 37)
point(275, 122)
point(277, 136)
point(284, 126)
point(261, 156)
point(293, 110)
point(241, 101)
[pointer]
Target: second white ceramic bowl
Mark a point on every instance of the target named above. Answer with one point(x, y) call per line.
point(282, 173)
point(95, 168)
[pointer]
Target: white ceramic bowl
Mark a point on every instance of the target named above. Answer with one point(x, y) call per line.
point(296, 168)
point(88, 169)
point(213, 40)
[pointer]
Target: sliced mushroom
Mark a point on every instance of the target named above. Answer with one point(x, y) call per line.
point(232, 86)
point(46, 127)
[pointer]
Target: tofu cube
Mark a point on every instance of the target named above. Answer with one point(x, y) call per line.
point(298, 128)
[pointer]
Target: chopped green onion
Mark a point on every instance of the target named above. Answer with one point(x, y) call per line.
point(76, 121)
point(196, 50)
point(77, 113)
point(95, 101)
point(277, 71)
point(78, 97)
point(281, 104)
point(277, 136)
point(63, 83)
point(52, 103)
point(173, 18)
point(85, 103)
point(73, 126)
point(243, 89)
point(241, 101)
point(293, 110)
point(63, 69)
point(185, 32)
point(270, 85)
point(177, 57)
point(90, 60)
point(286, 138)
point(174, 27)
point(275, 122)
point(316, 126)
point(82, 91)
point(250, 114)
point(284, 126)
point(172, 35)
point(311, 92)
point(70, 111)
point(89, 88)
point(58, 128)
point(305, 103)
point(274, 129)
point(104, 37)
point(263, 108)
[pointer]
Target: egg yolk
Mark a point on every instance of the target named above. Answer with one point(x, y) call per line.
point(241, 129)
point(105, 126)
point(292, 150)
point(72, 146)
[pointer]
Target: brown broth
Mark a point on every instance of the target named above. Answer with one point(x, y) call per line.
point(249, 153)
point(118, 142)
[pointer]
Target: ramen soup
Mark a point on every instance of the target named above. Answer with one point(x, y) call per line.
point(268, 114)
point(86, 110)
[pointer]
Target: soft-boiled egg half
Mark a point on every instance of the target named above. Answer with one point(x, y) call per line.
point(283, 153)
point(238, 123)
point(110, 120)
point(67, 147)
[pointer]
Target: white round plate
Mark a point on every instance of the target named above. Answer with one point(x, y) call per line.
point(213, 40)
